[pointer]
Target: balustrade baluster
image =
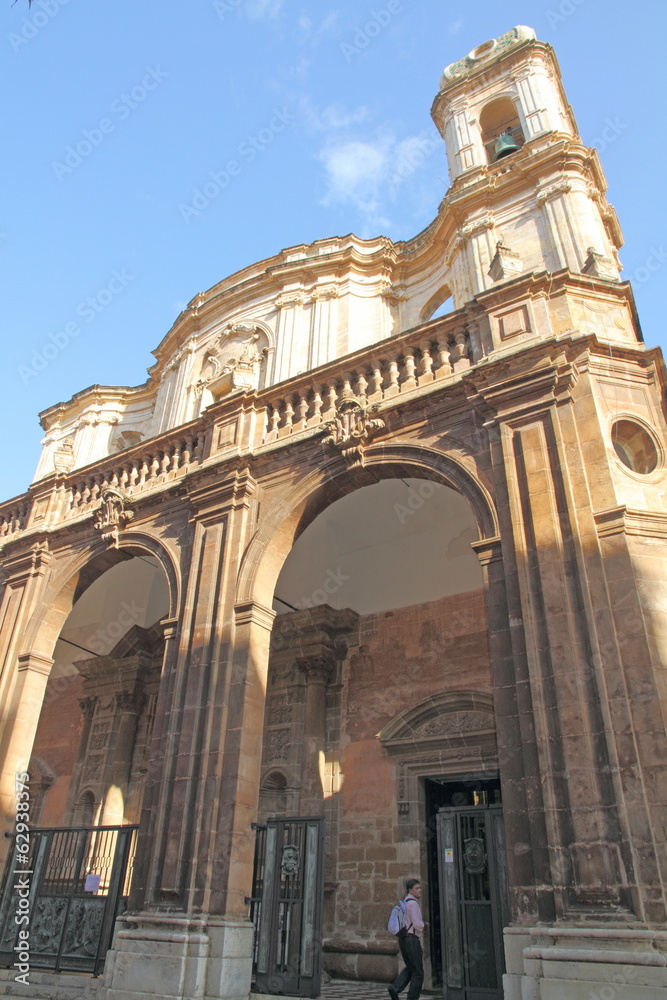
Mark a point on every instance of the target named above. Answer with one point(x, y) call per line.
point(393, 388)
point(134, 475)
point(460, 352)
point(409, 381)
point(362, 386)
point(376, 393)
point(273, 421)
point(304, 406)
point(426, 374)
point(332, 396)
point(143, 472)
point(445, 367)
point(176, 458)
point(316, 414)
point(154, 468)
point(288, 422)
point(186, 457)
point(199, 447)
point(85, 494)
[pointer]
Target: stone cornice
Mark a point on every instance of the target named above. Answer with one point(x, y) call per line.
point(623, 520)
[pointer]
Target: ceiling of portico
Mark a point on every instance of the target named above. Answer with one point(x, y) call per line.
point(390, 545)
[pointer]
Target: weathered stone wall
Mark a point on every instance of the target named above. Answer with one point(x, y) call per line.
point(57, 743)
point(398, 660)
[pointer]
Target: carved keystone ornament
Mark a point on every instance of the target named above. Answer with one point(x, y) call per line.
point(351, 430)
point(112, 516)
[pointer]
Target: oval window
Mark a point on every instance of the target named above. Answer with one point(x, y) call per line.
point(634, 446)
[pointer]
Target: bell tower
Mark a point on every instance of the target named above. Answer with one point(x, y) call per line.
point(528, 194)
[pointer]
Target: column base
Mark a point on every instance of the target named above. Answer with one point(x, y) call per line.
point(179, 958)
point(577, 963)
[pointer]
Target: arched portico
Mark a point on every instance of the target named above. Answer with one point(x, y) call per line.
point(47, 608)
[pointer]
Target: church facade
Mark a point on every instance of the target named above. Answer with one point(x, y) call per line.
point(355, 589)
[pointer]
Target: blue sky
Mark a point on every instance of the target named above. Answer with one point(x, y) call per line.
point(158, 96)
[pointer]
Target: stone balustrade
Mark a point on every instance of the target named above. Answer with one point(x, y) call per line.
point(132, 471)
point(13, 517)
point(400, 365)
point(393, 368)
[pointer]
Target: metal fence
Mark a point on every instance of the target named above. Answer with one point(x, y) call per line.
point(62, 892)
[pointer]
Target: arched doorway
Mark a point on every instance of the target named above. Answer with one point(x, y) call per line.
point(380, 607)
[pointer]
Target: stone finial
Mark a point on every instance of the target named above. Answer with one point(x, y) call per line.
point(506, 263)
point(112, 516)
point(597, 265)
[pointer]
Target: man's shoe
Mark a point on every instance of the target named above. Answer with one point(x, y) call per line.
point(392, 993)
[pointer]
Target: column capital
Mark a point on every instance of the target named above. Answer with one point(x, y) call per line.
point(317, 669)
point(254, 613)
point(36, 662)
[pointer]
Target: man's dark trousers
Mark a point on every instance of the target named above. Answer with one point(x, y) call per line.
point(413, 973)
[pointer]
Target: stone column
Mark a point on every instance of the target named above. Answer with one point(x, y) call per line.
point(23, 674)
point(318, 671)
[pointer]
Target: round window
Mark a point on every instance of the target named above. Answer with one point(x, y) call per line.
point(634, 446)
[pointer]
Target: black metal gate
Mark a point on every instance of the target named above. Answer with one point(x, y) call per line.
point(286, 907)
point(473, 901)
point(65, 888)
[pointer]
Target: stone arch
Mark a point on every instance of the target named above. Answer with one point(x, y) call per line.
point(76, 576)
point(286, 520)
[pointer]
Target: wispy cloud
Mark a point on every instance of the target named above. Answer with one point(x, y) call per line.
point(367, 173)
point(259, 9)
point(455, 26)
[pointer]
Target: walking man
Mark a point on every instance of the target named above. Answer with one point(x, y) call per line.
point(410, 945)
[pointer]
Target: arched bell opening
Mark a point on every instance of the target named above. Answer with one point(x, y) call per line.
point(502, 132)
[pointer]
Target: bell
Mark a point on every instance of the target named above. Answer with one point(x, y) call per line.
point(505, 144)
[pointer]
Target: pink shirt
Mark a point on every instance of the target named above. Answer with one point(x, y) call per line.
point(413, 916)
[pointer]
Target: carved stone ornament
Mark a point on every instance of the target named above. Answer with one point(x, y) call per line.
point(598, 266)
point(351, 429)
point(474, 856)
point(289, 864)
point(505, 264)
point(112, 516)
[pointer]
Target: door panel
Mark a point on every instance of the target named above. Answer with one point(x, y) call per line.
point(287, 906)
point(472, 904)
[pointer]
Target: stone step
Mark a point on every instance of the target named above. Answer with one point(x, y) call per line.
point(49, 985)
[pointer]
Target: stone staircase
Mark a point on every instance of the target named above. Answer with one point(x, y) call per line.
point(50, 985)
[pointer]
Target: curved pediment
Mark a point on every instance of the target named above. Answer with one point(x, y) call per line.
point(453, 715)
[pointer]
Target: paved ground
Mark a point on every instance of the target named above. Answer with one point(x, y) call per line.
point(344, 989)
